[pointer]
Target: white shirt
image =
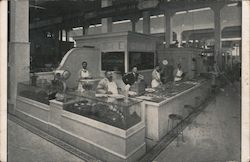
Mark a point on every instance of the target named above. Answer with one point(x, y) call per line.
point(112, 87)
point(178, 75)
point(156, 79)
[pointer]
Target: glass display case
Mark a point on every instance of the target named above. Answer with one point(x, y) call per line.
point(110, 109)
point(41, 92)
point(168, 90)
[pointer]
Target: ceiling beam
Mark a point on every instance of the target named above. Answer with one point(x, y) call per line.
point(186, 5)
point(124, 10)
point(46, 23)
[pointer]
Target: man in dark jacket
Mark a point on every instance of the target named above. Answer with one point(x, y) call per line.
point(166, 72)
point(131, 77)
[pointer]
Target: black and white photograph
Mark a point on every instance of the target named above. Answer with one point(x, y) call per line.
point(125, 80)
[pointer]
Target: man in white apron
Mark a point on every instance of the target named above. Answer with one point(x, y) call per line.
point(156, 77)
point(107, 85)
point(83, 74)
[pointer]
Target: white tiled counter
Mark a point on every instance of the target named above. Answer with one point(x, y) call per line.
point(156, 113)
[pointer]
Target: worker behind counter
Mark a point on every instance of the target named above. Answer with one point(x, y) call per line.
point(156, 77)
point(84, 74)
point(134, 77)
point(166, 72)
point(178, 73)
point(215, 73)
point(107, 85)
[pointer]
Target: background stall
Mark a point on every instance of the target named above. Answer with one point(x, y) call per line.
point(183, 56)
point(120, 51)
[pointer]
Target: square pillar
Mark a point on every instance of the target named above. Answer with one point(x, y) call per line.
point(217, 34)
point(106, 22)
point(179, 38)
point(146, 22)
point(133, 23)
point(66, 34)
point(134, 20)
point(85, 29)
point(106, 25)
point(19, 47)
point(168, 27)
point(57, 42)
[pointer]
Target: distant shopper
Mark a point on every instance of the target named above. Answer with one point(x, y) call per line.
point(215, 74)
point(178, 73)
point(107, 85)
point(156, 77)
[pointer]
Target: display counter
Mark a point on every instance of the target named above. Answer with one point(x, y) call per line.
point(170, 99)
point(110, 109)
point(110, 128)
point(40, 92)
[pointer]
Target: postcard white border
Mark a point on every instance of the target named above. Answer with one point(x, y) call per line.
point(245, 147)
point(3, 81)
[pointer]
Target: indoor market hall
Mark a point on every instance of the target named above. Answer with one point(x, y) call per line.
point(124, 81)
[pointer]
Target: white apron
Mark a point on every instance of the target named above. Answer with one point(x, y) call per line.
point(155, 83)
point(112, 87)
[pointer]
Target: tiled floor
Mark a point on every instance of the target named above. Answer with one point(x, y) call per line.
point(214, 136)
point(24, 146)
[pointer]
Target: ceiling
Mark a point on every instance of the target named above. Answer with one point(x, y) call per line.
point(78, 12)
point(47, 9)
point(72, 13)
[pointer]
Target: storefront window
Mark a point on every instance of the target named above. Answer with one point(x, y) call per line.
point(143, 60)
point(113, 61)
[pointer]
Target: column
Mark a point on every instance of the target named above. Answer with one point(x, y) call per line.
point(168, 27)
point(66, 35)
point(61, 34)
point(19, 46)
point(106, 22)
point(134, 20)
point(146, 22)
point(85, 28)
point(179, 38)
point(133, 23)
point(187, 37)
point(217, 34)
point(57, 43)
point(60, 44)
